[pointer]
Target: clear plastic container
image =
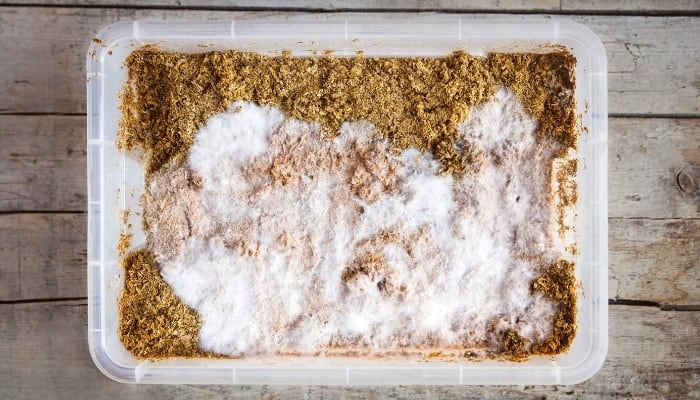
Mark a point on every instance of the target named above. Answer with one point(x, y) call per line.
point(115, 183)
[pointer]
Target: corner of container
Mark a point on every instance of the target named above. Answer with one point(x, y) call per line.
point(589, 366)
point(589, 39)
point(100, 42)
point(105, 364)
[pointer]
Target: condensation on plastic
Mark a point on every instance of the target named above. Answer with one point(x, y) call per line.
point(115, 182)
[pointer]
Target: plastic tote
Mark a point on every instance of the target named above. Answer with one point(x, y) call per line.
point(115, 183)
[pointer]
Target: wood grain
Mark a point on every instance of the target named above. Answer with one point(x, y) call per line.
point(44, 256)
point(654, 260)
point(598, 6)
point(652, 61)
point(48, 172)
point(646, 157)
point(42, 163)
point(631, 6)
point(324, 5)
point(45, 355)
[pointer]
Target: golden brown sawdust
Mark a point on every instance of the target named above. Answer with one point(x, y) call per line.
point(566, 192)
point(414, 102)
point(513, 345)
point(124, 242)
point(558, 283)
point(545, 84)
point(153, 322)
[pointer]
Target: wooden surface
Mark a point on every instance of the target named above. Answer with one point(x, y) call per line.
point(653, 49)
point(652, 60)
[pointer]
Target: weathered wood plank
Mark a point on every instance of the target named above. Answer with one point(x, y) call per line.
point(645, 60)
point(652, 60)
point(44, 256)
point(652, 354)
point(658, 6)
point(654, 260)
point(42, 163)
point(647, 157)
point(325, 5)
point(625, 6)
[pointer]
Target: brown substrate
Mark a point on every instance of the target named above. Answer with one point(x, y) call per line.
point(415, 102)
point(153, 322)
point(558, 283)
point(567, 192)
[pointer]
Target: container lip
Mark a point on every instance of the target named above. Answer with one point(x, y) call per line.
point(105, 364)
point(543, 28)
point(591, 50)
point(95, 56)
point(589, 366)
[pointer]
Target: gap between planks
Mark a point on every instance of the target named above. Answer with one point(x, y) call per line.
point(376, 10)
point(20, 212)
point(46, 300)
point(647, 303)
